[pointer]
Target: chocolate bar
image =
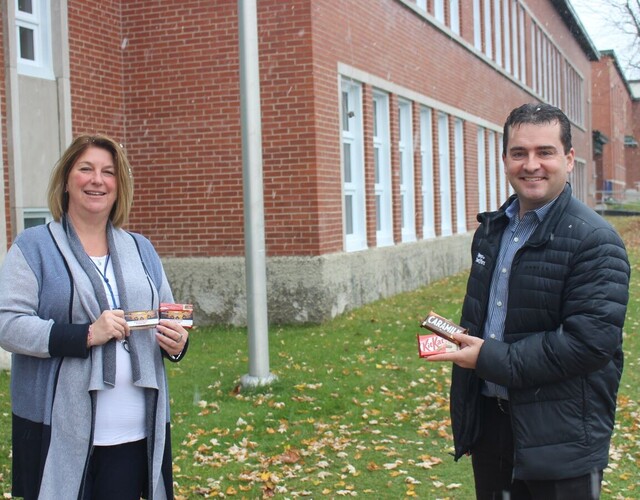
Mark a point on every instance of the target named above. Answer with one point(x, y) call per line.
point(442, 327)
point(141, 319)
point(431, 344)
point(182, 313)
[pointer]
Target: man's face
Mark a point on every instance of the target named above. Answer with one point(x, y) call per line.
point(535, 163)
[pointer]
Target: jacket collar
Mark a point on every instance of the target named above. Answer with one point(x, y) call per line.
point(499, 219)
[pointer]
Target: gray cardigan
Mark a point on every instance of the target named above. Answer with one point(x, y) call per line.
point(49, 294)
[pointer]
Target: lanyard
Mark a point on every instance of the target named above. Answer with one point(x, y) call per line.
point(103, 275)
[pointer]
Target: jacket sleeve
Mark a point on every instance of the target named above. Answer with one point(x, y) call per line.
point(593, 309)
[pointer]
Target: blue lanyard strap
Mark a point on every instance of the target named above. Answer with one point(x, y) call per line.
point(103, 275)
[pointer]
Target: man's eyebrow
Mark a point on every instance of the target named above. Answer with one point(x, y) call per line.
point(517, 149)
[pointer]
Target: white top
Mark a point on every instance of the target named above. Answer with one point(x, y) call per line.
point(120, 411)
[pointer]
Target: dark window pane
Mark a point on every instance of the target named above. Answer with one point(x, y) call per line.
point(345, 111)
point(376, 165)
point(348, 214)
point(33, 221)
point(27, 48)
point(347, 162)
point(25, 6)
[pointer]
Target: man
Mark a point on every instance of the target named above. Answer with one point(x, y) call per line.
point(534, 386)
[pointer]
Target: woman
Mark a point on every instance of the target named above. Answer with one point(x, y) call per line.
point(90, 401)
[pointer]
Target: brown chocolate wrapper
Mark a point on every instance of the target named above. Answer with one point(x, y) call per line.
point(138, 320)
point(182, 313)
point(442, 327)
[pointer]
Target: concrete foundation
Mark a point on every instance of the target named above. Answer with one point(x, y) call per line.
point(314, 289)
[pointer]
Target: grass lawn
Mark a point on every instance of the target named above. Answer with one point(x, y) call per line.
point(354, 411)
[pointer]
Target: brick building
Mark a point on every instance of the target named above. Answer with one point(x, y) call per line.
point(612, 125)
point(632, 147)
point(381, 131)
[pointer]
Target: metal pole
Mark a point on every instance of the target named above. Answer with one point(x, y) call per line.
point(255, 258)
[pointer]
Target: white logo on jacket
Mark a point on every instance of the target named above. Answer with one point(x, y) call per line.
point(480, 259)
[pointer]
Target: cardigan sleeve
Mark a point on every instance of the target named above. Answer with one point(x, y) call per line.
point(21, 330)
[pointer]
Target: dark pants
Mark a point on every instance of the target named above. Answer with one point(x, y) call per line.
point(117, 472)
point(492, 460)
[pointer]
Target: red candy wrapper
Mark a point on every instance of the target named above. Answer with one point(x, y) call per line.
point(431, 344)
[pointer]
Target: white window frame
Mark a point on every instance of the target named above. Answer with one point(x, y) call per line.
point(407, 177)
point(493, 171)
point(515, 37)
point(488, 41)
point(35, 213)
point(444, 169)
point(426, 157)
point(502, 176)
point(507, 35)
point(482, 171)
point(477, 25)
point(460, 181)
point(438, 11)
point(454, 16)
point(354, 208)
point(422, 4)
point(39, 22)
point(382, 170)
point(497, 17)
point(521, 39)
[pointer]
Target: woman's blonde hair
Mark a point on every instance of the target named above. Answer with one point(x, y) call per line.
point(57, 196)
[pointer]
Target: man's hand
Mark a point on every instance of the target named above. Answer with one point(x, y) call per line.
point(467, 356)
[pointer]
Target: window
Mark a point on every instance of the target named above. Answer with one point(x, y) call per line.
point(515, 39)
point(482, 172)
point(353, 167)
point(503, 179)
point(488, 30)
point(454, 16)
point(426, 156)
point(458, 148)
point(521, 41)
point(497, 31)
point(493, 170)
point(405, 148)
point(445, 175)
point(506, 27)
point(422, 4)
point(382, 169)
point(439, 10)
point(33, 32)
point(35, 217)
point(477, 25)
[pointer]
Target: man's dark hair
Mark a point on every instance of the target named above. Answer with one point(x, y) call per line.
point(537, 114)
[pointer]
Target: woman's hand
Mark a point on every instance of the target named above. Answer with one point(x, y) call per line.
point(171, 336)
point(110, 325)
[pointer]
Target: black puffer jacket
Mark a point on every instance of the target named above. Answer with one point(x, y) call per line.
point(561, 358)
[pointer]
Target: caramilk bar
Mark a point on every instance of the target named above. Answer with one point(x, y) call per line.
point(442, 327)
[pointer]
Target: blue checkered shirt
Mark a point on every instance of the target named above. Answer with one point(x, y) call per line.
point(514, 237)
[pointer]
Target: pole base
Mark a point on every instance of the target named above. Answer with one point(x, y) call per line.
point(251, 382)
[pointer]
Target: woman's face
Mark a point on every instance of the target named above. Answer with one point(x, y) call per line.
point(92, 185)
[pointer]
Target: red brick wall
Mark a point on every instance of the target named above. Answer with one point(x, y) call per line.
point(612, 115)
point(164, 77)
point(633, 153)
point(96, 69)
